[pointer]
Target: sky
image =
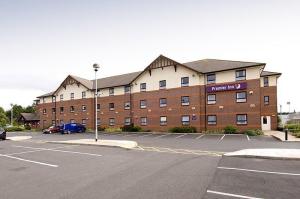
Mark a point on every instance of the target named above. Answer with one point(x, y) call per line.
point(43, 41)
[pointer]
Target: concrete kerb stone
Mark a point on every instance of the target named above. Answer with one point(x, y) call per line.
point(108, 143)
point(18, 138)
point(276, 154)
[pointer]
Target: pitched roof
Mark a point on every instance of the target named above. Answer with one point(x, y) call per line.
point(268, 73)
point(214, 65)
point(117, 80)
point(30, 116)
point(46, 95)
point(85, 82)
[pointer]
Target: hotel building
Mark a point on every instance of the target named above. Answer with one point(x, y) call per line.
point(208, 94)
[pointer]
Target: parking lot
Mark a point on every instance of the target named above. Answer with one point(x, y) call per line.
point(163, 166)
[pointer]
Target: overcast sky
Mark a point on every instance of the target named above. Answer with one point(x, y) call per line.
point(41, 42)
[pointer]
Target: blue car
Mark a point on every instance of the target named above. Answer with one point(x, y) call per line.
point(72, 128)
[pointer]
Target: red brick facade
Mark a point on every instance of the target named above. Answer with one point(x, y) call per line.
point(225, 109)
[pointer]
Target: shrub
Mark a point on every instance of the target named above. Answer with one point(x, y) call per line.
point(183, 129)
point(230, 129)
point(14, 128)
point(293, 127)
point(101, 128)
point(252, 132)
point(130, 128)
point(112, 130)
point(27, 127)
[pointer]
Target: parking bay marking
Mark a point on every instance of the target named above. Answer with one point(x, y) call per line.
point(31, 161)
point(163, 135)
point(230, 194)
point(36, 150)
point(259, 171)
point(56, 150)
point(180, 136)
point(199, 137)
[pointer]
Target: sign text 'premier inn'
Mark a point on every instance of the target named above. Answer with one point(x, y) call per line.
point(226, 87)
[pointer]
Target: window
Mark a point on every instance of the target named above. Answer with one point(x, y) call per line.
point(266, 81)
point(61, 122)
point(83, 94)
point(185, 100)
point(211, 99)
point(240, 75)
point(83, 122)
point(265, 120)
point(72, 109)
point(211, 78)
point(127, 105)
point(241, 119)
point(83, 108)
point(163, 120)
point(44, 111)
point(44, 100)
point(185, 120)
point(162, 102)
point(185, 81)
point(126, 89)
point(143, 121)
point(143, 104)
point(98, 107)
point(72, 121)
point(53, 123)
point(266, 100)
point(111, 106)
point(61, 110)
point(53, 110)
point(72, 96)
point(241, 97)
point(211, 119)
point(98, 121)
point(61, 97)
point(53, 98)
point(162, 84)
point(111, 121)
point(127, 121)
point(111, 91)
point(143, 87)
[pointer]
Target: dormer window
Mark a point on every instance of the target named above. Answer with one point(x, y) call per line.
point(240, 75)
point(266, 81)
point(211, 78)
point(143, 87)
point(111, 91)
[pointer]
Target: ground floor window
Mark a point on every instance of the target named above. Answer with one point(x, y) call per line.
point(241, 119)
point(83, 122)
point(211, 119)
point(53, 122)
point(111, 121)
point(143, 121)
point(61, 121)
point(72, 121)
point(98, 121)
point(127, 121)
point(163, 120)
point(185, 120)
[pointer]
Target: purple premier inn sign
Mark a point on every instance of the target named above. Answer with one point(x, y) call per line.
point(226, 87)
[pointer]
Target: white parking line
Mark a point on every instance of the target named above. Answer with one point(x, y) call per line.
point(230, 194)
point(163, 135)
point(36, 150)
point(260, 171)
point(180, 136)
point(248, 138)
point(199, 137)
point(31, 161)
point(146, 135)
point(74, 152)
point(222, 138)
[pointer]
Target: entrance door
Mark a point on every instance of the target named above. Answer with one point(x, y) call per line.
point(266, 123)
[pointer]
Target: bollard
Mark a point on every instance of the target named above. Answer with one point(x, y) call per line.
point(286, 134)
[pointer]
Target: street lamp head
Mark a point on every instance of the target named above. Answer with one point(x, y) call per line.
point(96, 66)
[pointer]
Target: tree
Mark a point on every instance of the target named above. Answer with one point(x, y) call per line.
point(3, 118)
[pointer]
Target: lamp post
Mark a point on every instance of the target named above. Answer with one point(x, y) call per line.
point(96, 67)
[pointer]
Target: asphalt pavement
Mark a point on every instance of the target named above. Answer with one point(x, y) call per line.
point(164, 166)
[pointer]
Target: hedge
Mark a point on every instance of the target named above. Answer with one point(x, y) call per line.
point(14, 128)
point(183, 129)
point(252, 132)
point(230, 130)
